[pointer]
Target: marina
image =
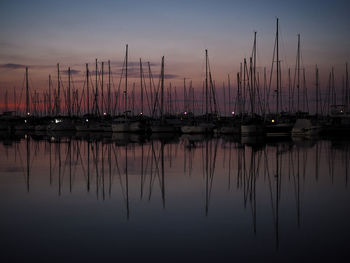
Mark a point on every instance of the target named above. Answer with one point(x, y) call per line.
point(251, 103)
point(174, 131)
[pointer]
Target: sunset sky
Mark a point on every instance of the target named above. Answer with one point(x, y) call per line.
point(41, 34)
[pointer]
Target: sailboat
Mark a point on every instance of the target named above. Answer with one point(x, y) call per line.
point(204, 127)
point(125, 124)
point(27, 123)
point(161, 126)
point(304, 127)
point(252, 126)
point(277, 126)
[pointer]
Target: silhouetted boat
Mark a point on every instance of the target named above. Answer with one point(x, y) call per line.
point(61, 124)
point(125, 125)
point(304, 127)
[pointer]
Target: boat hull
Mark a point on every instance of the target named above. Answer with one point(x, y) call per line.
point(192, 129)
point(127, 127)
point(251, 130)
point(163, 129)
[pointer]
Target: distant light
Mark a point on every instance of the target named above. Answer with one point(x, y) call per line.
point(25, 136)
point(341, 111)
point(87, 120)
point(104, 113)
point(58, 120)
point(273, 121)
point(233, 113)
point(28, 113)
point(25, 121)
point(185, 112)
point(141, 113)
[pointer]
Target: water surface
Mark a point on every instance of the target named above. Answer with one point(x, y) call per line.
point(109, 198)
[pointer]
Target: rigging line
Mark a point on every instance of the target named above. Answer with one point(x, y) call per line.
point(271, 73)
point(145, 89)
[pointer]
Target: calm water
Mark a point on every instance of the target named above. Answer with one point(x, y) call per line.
point(190, 199)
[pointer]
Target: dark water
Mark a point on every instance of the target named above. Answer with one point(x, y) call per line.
point(190, 199)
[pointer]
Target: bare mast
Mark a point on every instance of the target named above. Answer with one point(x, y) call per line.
point(109, 88)
point(96, 89)
point(298, 73)
point(68, 95)
point(141, 78)
point(126, 82)
point(347, 87)
point(206, 84)
point(254, 74)
point(58, 99)
point(27, 92)
point(49, 96)
point(162, 92)
point(317, 90)
point(277, 69)
point(102, 97)
point(87, 89)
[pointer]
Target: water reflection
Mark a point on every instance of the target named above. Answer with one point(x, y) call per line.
point(276, 183)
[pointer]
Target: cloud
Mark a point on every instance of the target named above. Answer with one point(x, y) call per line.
point(120, 64)
point(12, 66)
point(21, 66)
point(171, 76)
point(72, 72)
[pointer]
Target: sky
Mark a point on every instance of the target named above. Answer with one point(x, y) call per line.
point(41, 34)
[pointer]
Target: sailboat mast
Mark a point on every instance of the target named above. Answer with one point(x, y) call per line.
point(49, 95)
point(206, 84)
point(289, 92)
point(109, 87)
point(192, 89)
point(14, 100)
point(317, 90)
point(265, 91)
point(58, 103)
point(185, 95)
point(251, 86)
point(244, 83)
point(102, 97)
point(162, 90)
point(277, 70)
point(27, 92)
point(346, 87)
point(6, 101)
point(141, 78)
point(68, 95)
point(170, 100)
point(133, 98)
point(298, 72)
point(229, 93)
point(254, 72)
point(333, 88)
point(96, 89)
point(87, 89)
point(126, 82)
point(238, 98)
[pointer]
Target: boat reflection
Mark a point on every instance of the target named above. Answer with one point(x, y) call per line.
point(134, 169)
